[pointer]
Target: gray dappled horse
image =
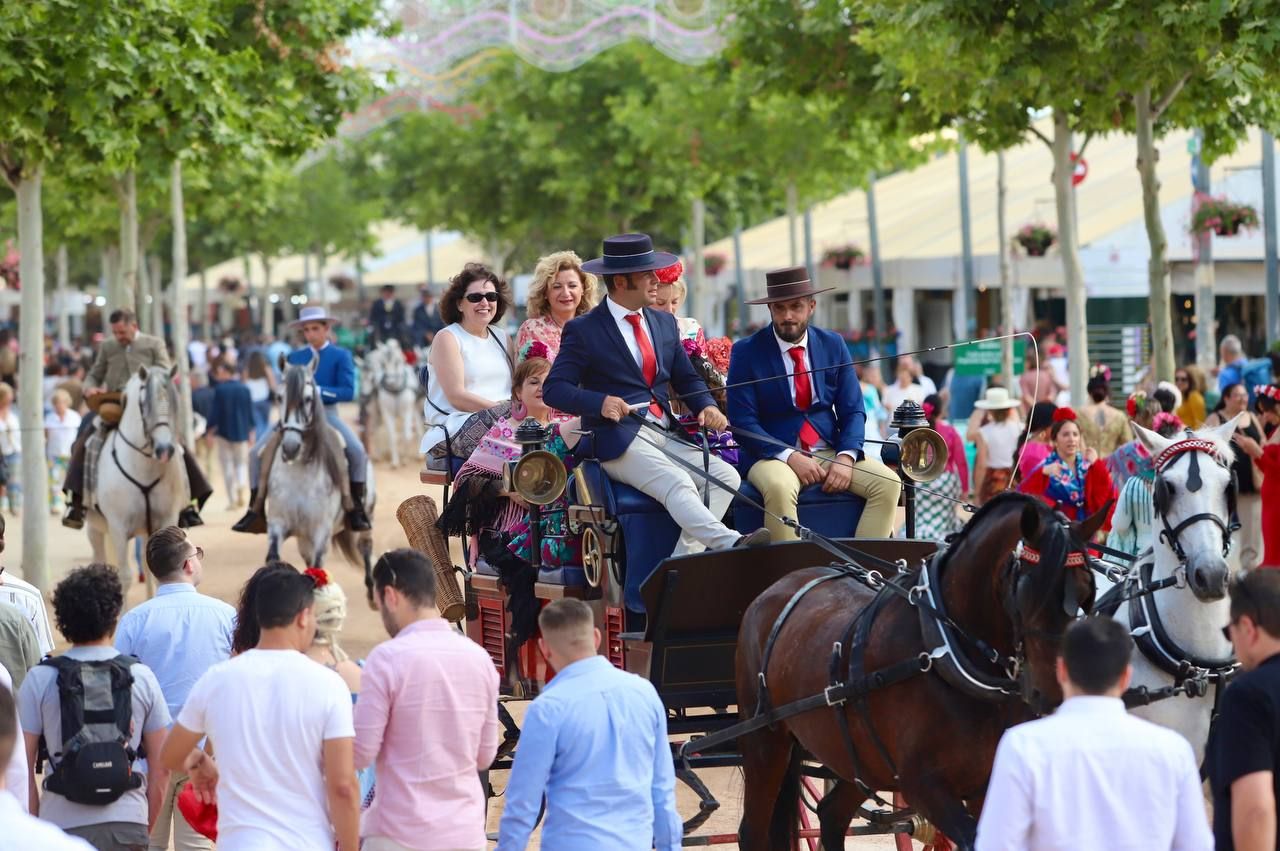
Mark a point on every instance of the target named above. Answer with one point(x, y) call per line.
point(305, 484)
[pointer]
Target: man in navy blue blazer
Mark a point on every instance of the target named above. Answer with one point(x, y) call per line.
point(813, 403)
point(615, 364)
point(335, 375)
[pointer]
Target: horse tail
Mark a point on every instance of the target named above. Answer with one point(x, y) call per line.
point(357, 548)
point(784, 826)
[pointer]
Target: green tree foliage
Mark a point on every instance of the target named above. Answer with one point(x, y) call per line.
point(541, 160)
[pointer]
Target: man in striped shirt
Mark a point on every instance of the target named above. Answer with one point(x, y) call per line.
point(27, 599)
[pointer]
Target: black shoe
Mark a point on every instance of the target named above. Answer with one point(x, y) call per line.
point(758, 538)
point(73, 517)
point(189, 517)
point(357, 520)
point(252, 523)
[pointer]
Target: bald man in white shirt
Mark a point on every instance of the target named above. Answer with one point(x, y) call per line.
point(1091, 775)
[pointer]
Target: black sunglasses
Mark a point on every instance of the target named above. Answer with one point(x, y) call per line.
point(476, 298)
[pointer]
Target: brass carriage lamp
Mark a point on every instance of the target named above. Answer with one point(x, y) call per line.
point(917, 452)
point(539, 477)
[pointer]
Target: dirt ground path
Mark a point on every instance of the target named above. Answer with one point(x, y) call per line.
point(230, 558)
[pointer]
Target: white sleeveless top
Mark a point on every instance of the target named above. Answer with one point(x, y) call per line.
point(485, 372)
point(1002, 442)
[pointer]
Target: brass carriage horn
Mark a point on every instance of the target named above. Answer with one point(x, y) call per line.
point(924, 455)
point(539, 477)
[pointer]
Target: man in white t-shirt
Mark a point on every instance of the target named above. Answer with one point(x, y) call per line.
point(281, 726)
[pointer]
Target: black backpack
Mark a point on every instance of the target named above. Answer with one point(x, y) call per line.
point(95, 764)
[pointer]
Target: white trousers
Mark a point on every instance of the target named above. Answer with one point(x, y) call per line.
point(233, 458)
point(652, 473)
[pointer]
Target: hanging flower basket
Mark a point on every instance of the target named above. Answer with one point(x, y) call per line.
point(229, 285)
point(843, 256)
point(713, 262)
point(1035, 239)
point(1221, 216)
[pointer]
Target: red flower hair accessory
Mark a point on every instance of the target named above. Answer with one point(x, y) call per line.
point(1271, 391)
point(318, 576)
point(671, 274)
point(1135, 402)
point(1064, 414)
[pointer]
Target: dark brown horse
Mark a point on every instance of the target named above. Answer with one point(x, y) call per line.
point(925, 735)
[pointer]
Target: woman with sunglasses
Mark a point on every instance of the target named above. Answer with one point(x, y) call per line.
point(1191, 383)
point(469, 366)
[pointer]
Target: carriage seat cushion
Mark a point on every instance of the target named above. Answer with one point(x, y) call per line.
point(569, 575)
point(835, 515)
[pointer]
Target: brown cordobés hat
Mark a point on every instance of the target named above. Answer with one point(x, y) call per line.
point(786, 284)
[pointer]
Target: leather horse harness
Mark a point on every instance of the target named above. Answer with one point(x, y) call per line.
point(951, 651)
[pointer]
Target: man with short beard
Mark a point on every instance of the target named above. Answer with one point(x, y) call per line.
point(615, 364)
point(427, 718)
point(813, 405)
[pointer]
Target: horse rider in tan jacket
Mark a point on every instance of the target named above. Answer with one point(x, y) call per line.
point(119, 358)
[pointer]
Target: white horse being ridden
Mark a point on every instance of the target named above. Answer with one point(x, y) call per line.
point(141, 486)
point(306, 482)
point(397, 391)
point(1177, 630)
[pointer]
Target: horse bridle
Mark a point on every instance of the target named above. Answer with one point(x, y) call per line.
point(310, 412)
point(1076, 557)
point(144, 405)
point(1162, 494)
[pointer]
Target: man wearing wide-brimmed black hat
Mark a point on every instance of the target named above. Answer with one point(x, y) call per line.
point(615, 365)
point(812, 404)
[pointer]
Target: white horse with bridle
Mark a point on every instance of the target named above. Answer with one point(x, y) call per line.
point(396, 386)
point(305, 485)
point(140, 483)
point(1174, 599)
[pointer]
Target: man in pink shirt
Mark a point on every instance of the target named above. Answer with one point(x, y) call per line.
point(427, 719)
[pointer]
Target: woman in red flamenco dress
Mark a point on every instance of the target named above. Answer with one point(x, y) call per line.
point(1266, 457)
point(1072, 479)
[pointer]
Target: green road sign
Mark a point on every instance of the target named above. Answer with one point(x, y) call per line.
point(983, 358)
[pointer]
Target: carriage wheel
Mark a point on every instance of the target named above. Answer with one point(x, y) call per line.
point(593, 556)
point(928, 836)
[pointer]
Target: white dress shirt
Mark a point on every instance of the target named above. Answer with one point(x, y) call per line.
point(790, 366)
point(628, 332)
point(28, 832)
point(1093, 776)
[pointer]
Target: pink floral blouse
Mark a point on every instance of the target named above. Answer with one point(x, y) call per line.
point(544, 330)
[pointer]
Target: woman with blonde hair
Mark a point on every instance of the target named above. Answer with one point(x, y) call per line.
point(671, 294)
point(560, 291)
point(330, 610)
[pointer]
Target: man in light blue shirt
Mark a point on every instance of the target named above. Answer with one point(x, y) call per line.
point(179, 634)
point(595, 743)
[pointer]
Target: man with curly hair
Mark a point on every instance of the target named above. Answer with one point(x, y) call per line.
point(86, 608)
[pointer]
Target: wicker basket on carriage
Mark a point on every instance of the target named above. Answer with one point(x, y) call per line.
point(418, 516)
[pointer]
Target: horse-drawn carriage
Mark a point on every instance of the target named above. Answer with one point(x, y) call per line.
point(856, 667)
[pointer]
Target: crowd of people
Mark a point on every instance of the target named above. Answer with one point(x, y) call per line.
point(252, 725)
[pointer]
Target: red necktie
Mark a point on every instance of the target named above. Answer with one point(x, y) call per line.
point(648, 361)
point(804, 397)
